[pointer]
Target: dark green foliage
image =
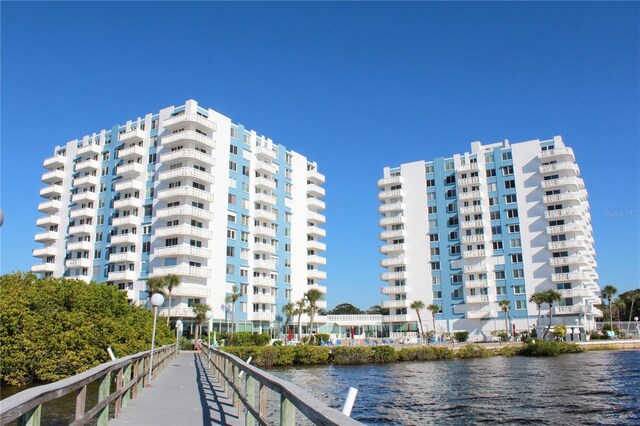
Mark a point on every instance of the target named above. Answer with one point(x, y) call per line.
point(510, 351)
point(264, 356)
point(350, 355)
point(381, 354)
point(247, 338)
point(53, 328)
point(473, 351)
point(309, 355)
point(315, 339)
point(425, 353)
point(548, 348)
point(345, 309)
point(278, 343)
point(597, 336)
point(461, 336)
point(185, 344)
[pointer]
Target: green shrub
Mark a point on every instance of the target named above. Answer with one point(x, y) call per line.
point(261, 339)
point(315, 339)
point(549, 348)
point(560, 331)
point(351, 355)
point(501, 334)
point(275, 356)
point(461, 336)
point(381, 354)
point(185, 345)
point(510, 351)
point(278, 343)
point(241, 338)
point(473, 351)
point(309, 354)
point(424, 353)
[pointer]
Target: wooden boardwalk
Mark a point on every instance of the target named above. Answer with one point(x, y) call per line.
point(185, 393)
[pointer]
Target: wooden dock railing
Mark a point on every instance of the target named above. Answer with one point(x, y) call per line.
point(131, 375)
point(245, 383)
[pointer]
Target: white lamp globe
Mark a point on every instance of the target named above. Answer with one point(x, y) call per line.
point(208, 315)
point(157, 299)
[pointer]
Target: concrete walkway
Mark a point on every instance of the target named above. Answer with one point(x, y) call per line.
point(185, 393)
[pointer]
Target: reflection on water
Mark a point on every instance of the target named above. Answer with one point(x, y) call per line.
point(587, 388)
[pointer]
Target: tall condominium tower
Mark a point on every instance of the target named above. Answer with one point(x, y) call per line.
point(186, 192)
point(500, 223)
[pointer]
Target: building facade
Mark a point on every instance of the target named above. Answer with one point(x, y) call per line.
point(187, 192)
point(499, 223)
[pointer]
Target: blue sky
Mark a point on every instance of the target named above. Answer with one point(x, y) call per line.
point(354, 86)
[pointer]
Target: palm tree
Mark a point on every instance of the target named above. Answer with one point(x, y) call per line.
point(619, 306)
point(155, 285)
point(550, 297)
point(233, 298)
point(435, 309)
point(200, 311)
point(538, 299)
point(504, 306)
point(312, 296)
point(171, 281)
point(607, 293)
point(288, 311)
point(632, 297)
point(300, 309)
point(417, 305)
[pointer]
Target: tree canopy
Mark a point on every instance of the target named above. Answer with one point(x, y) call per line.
point(51, 328)
point(345, 309)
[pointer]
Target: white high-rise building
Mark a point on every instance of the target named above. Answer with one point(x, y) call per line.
point(499, 223)
point(187, 192)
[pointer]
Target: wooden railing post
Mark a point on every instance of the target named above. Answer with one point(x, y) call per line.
point(81, 401)
point(236, 383)
point(103, 393)
point(250, 396)
point(263, 400)
point(118, 406)
point(127, 379)
point(32, 417)
point(287, 412)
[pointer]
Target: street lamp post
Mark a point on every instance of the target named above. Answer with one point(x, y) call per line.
point(209, 317)
point(178, 330)
point(156, 300)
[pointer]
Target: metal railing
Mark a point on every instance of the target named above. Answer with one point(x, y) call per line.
point(131, 375)
point(246, 383)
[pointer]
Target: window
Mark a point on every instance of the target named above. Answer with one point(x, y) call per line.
point(497, 245)
point(232, 199)
point(432, 209)
point(435, 280)
point(233, 166)
point(231, 217)
point(506, 155)
point(509, 184)
point(431, 195)
point(495, 215)
point(511, 198)
point(428, 168)
point(435, 251)
point(496, 230)
point(433, 237)
point(435, 266)
point(491, 172)
point(230, 269)
point(518, 289)
point(234, 133)
point(516, 243)
point(507, 170)
point(520, 305)
point(499, 275)
point(516, 258)
point(433, 223)
point(511, 213)
point(501, 290)
point(231, 234)
point(518, 273)
point(230, 251)
point(246, 170)
point(449, 180)
point(514, 229)
point(431, 183)
point(233, 149)
point(454, 250)
point(437, 294)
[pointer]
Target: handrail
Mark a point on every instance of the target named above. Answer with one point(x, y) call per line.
point(130, 378)
point(227, 371)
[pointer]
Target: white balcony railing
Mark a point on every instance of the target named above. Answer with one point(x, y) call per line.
point(314, 259)
point(78, 263)
point(315, 204)
point(88, 165)
point(393, 220)
point(391, 276)
point(81, 229)
point(80, 246)
point(184, 211)
point(90, 149)
point(51, 191)
point(127, 202)
point(55, 161)
point(266, 167)
point(182, 250)
point(268, 299)
point(315, 176)
point(262, 182)
point(482, 298)
point(129, 220)
point(86, 196)
point(130, 169)
point(316, 245)
point(44, 251)
point(466, 254)
point(397, 233)
point(389, 181)
point(316, 274)
point(392, 248)
point(565, 166)
point(264, 215)
point(395, 303)
point(124, 239)
point(44, 237)
point(127, 256)
point(476, 284)
point(47, 221)
point(264, 231)
point(50, 206)
point(563, 229)
point(393, 207)
point(131, 152)
point(265, 152)
point(394, 193)
point(469, 181)
point(575, 182)
point(133, 136)
point(263, 198)
point(183, 270)
point(396, 289)
point(478, 238)
point(122, 276)
point(53, 176)
point(469, 195)
point(88, 180)
point(182, 119)
point(185, 191)
point(184, 229)
point(263, 248)
point(129, 185)
point(264, 264)
point(395, 318)
point(315, 190)
point(558, 152)
point(393, 261)
point(316, 231)
point(187, 153)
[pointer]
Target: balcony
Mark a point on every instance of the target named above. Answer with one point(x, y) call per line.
point(315, 177)
point(86, 181)
point(561, 213)
point(50, 207)
point(132, 153)
point(184, 211)
point(263, 248)
point(314, 259)
point(80, 246)
point(122, 276)
point(129, 220)
point(574, 183)
point(182, 250)
point(186, 290)
point(182, 270)
point(471, 210)
point(129, 185)
point(392, 276)
point(397, 233)
point(78, 263)
point(392, 207)
point(264, 231)
point(577, 309)
point(81, 229)
point(473, 195)
point(392, 248)
point(133, 136)
point(45, 237)
point(577, 292)
point(472, 269)
point(316, 231)
point(321, 288)
point(263, 198)
point(44, 251)
point(565, 196)
point(55, 162)
point(395, 318)
point(266, 167)
point(264, 264)
point(469, 167)
point(568, 228)
point(187, 154)
point(88, 166)
point(189, 119)
point(482, 314)
point(130, 170)
point(562, 152)
point(394, 193)
point(472, 224)
point(565, 166)
point(396, 289)
point(182, 312)
point(476, 284)
point(127, 257)
point(317, 218)
point(265, 153)
point(316, 245)
point(571, 243)
point(265, 183)
point(469, 181)
point(467, 254)
point(389, 181)
point(268, 299)
point(315, 190)
point(569, 260)
point(184, 229)
point(261, 316)
point(188, 136)
point(395, 303)
point(315, 204)
point(571, 276)
point(316, 274)
point(393, 220)
point(89, 150)
point(47, 221)
point(51, 191)
point(127, 202)
point(393, 261)
point(86, 196)
point(127, 238)
point(188, 172)
point(263, 282)
point(53, 176)
point(185, 191)
point(478, 238)
point(482, 298)
point(264, 214)
point(43, 267)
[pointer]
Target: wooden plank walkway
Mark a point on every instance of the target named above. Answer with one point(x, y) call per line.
point(185, 393)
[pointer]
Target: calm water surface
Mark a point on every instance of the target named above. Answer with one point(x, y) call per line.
point(579, 389)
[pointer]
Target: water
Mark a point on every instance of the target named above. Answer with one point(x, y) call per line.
point(588, 388)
